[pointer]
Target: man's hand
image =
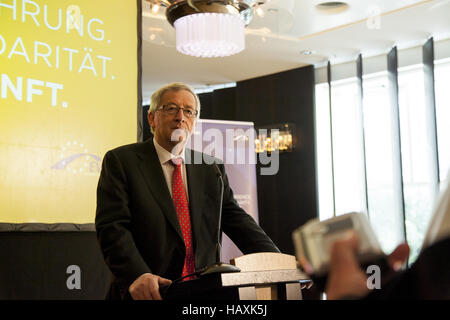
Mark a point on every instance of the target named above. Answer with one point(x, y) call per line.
point(146, 287)
point(346, 279)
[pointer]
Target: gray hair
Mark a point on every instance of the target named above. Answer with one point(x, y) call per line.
point(155, 100)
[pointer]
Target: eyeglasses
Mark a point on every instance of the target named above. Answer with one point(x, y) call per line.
point(173, 109)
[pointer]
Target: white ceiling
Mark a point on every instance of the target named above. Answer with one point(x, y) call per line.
point(275, 42)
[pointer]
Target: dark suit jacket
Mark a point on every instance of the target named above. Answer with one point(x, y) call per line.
point(427, 279)
point(136, 222)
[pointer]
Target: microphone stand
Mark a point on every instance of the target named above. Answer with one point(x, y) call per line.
point(219, 266)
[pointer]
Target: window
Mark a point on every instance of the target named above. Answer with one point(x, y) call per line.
point(359, 155)
point(384, 200)
point(323, 150)
point(442, 80)
point(417, 157)
point(347, 147)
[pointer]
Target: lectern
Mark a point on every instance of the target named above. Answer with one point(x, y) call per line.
point(263, 276)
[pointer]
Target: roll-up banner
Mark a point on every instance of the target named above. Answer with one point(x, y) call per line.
point(69, 91)
point(232, 143)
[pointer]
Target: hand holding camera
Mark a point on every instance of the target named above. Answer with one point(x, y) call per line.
point(337, 252)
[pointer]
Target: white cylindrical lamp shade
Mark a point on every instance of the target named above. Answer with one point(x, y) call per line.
point(210, 35)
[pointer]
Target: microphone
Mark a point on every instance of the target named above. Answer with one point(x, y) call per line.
point(219, 266)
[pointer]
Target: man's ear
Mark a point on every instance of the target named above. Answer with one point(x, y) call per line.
point(151, 119)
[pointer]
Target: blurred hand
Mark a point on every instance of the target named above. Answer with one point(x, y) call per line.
point(346, 278)
point(146, 287)
point(303, 264)
point(398, 257)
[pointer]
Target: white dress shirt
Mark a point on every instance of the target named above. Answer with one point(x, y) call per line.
point(165, 158)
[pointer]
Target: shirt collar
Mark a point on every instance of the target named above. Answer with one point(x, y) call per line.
point(165, 155)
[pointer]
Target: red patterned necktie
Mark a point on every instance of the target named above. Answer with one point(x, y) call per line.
point(182, 208)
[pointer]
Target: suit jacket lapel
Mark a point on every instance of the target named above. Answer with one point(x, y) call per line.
point(154, 177)
point(195, 176)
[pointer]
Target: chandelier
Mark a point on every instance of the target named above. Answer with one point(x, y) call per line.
point(208, 28)
point(276, 137)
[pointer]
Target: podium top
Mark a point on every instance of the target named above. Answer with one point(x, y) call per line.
point(253, 278)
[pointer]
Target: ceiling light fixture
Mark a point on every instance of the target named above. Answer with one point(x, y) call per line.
point(332, 7)
point(209, 28)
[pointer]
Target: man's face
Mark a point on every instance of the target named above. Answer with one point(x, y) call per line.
point(175, 127)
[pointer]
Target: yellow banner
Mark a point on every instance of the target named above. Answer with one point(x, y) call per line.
point(68, 93)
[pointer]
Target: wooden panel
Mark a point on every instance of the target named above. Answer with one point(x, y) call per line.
point(207, 106)
point(35, 265)
point(288, 199)
point(293, 291)
point(219, 104)
point(263, 278)
point(265, 261)
point(266, 292)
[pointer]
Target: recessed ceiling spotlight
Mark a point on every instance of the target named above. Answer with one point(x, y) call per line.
point(332, 7)
point(155, 8)
point(260, 12)
point(307, 52)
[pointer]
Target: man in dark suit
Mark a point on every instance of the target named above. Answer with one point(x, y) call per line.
point(157, 216)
